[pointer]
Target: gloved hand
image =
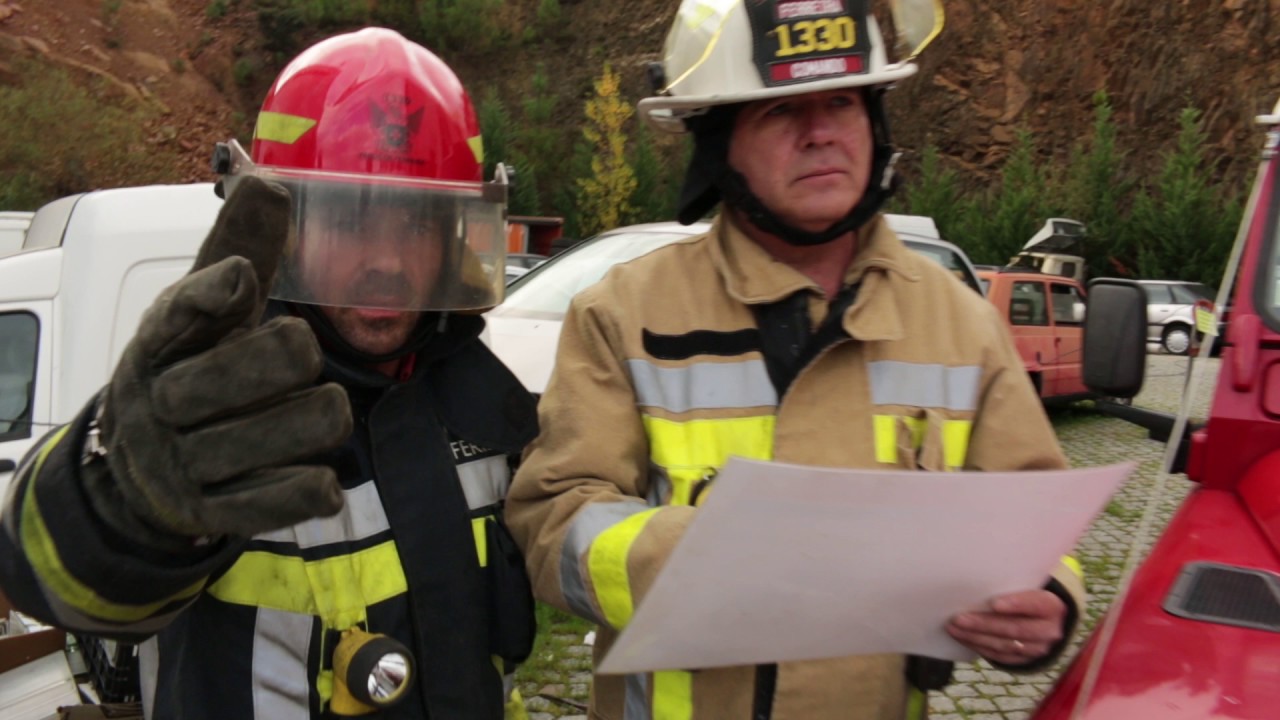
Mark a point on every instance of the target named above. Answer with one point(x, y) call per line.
point(208, 410)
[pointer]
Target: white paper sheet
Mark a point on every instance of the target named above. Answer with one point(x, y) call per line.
point(784, 562)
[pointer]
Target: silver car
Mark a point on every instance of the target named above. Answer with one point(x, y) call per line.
point(1171, 312)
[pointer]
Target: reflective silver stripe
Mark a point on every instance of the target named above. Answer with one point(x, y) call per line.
point(740, 384)
point(925, 386)
point(484, 482)
point(636, 704)
point(361, 517)
point(281, 641)
point(69, 617)
point(587, 525)
point(148, 671)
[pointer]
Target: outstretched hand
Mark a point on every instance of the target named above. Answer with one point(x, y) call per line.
point(1013, 629)
point(209, 411)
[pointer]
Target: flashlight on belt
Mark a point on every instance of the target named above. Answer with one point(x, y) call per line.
point(370, 672)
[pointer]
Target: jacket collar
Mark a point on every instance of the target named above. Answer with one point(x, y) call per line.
point(883, 266)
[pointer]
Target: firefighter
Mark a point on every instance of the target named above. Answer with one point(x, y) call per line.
point(289, 487)
point(799, 329)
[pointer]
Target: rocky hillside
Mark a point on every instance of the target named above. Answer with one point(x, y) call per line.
point(199, 68)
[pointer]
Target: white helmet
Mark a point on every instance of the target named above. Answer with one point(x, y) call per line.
point(721, 52)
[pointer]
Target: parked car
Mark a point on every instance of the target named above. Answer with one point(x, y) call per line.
point(1171, 312)
point(520, 263)
point(525, 329)
point(1045, 314)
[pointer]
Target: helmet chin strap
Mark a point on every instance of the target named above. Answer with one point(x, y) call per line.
point(736, 193)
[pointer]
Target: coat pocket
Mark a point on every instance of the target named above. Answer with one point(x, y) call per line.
point(512, 622)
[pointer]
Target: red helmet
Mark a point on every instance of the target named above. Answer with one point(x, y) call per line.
point(378, 143)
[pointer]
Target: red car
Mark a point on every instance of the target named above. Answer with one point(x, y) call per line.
point(1197, 633)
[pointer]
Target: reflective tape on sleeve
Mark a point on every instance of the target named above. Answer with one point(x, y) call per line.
point(592, 520)
point(607, 564)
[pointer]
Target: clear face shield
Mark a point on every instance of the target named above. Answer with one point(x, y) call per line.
point(387, 242)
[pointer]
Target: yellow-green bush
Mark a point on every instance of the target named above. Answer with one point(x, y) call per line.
point(604, 198)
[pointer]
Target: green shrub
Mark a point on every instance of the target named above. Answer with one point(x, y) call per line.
point(469, 26)
point(280, 21)
point(243, 71)
point(549, 15)
point(216, 9)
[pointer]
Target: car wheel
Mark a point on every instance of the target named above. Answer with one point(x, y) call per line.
point(1176, 339)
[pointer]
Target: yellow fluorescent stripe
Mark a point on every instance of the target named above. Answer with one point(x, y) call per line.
point(886, 438)
point(1073, 565)
point(482, 544)
point(672, 695)
point(47, 562)
point(693, 449)
point(607, 565)
point(916, 704)
point(337, 589)
point(955, 442)
point(281, 128)
point(477, 148)
point(917, 427)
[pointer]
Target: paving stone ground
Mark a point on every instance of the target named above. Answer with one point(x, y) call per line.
point(978, 691)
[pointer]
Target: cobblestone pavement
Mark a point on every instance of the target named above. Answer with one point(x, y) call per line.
point(980, 692)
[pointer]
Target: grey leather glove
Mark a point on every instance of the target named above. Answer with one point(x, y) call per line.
point(208, 411)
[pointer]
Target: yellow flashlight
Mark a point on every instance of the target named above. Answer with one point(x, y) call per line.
point(370, 672)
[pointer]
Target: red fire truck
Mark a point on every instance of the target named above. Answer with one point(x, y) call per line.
point(1196, 634)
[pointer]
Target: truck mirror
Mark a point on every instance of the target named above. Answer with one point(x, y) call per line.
point(1115, 337)
point(1077, 312)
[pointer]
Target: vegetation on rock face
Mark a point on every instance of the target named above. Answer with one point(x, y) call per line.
point(60, 138)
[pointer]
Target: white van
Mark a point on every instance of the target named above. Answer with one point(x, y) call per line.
point(13, 230)
point(72, 296)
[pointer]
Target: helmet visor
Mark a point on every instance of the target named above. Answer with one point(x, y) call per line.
point(391, 243)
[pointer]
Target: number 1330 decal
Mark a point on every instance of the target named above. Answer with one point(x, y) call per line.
point(821, 35)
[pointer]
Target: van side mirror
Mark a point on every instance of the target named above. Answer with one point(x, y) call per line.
point(1115, 337)
point(1077, 312)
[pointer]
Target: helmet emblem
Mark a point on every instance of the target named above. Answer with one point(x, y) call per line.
point(396, 127)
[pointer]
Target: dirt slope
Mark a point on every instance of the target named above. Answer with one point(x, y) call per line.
point(1000, 65)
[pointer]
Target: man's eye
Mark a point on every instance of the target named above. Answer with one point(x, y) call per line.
point(779, 109)
point(843, 101)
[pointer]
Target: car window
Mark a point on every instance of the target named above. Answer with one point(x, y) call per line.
point(1027, 304)
point(948, 259)
point(1064, 299)
point(1158, 294)
point(1189, 293)
point(545, 291)
point(19, 333)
